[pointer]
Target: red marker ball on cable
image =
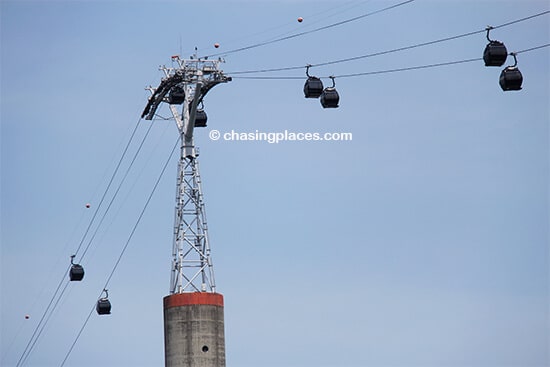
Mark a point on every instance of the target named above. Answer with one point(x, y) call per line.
point(300, 19)
point(88, 205)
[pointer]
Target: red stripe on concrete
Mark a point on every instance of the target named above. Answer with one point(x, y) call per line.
point(196, 298)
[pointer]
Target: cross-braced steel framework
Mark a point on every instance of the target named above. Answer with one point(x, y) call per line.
point(191, 251)
point(192, 269)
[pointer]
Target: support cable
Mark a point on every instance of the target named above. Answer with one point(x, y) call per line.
point(45, 323)
point(123, 249)
point(51, 305)
point(532, 48)
point(117, 191)
point(409, 68)
point(354, 58)
point(307, 32)
point(340, 9)
point(79, 333)
point(383, 71)
point(108, 187)
point(26, 351)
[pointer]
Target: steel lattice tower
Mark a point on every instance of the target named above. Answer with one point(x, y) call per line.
point(192, 268)
point(193, 312)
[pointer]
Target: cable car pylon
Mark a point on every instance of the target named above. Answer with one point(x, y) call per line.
point(193, 312)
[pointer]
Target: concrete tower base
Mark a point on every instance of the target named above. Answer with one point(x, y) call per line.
point(194, 330)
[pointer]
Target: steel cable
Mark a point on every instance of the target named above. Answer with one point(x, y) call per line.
point(384, 71)
point(354, 58)
point(123, 249)
point(307, 32)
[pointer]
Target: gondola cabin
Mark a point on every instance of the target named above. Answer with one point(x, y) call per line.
point(330, 98)
point(200, 118)
point(76, 273)
point(176, 95)
point(313, 87)
point(103, 306)
point(511, 78)
point(495, 54)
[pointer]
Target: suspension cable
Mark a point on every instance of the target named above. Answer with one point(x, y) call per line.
point(52, 305)
point(307, 32)
point(26, 351)
point(354, 58)
point(108, 186)
point(124, 248)
point(383, 71)
point(117, 190)
point(45, 323)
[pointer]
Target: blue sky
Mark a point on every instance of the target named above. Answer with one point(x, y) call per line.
point(421, 242)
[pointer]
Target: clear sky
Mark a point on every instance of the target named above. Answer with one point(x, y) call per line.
point(421, 242)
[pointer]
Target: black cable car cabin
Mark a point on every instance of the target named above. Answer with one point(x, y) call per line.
point(330, 98)
point(200, 118)
point(495, 54)
point(103, 306)
point(510, 78)
point(176, 95)
point(313, 87)
point(76, 273)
